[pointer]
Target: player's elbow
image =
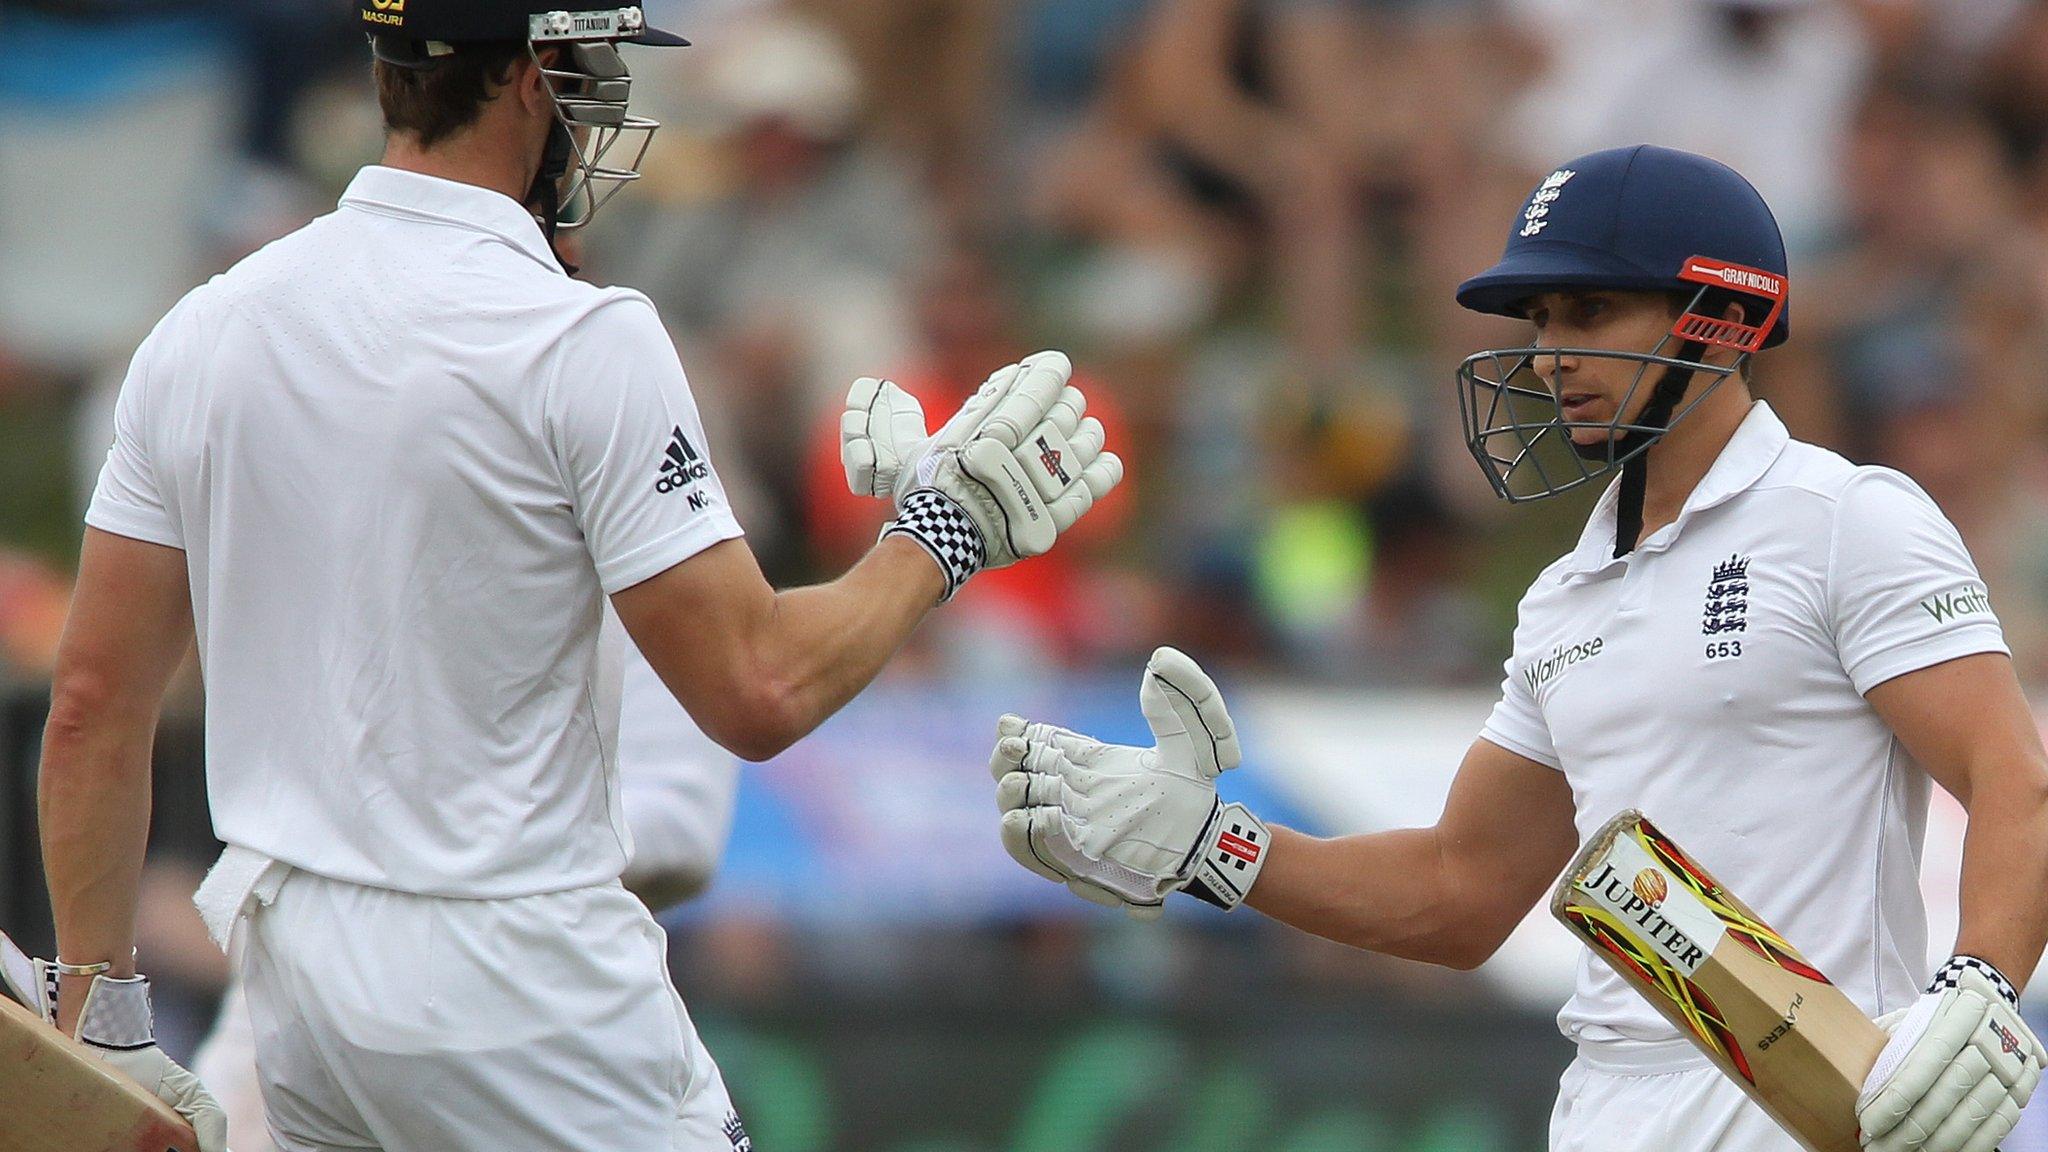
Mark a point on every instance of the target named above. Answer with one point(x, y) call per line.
point(762, 725)
point(1467, 951)
point(81, 705)
point(752, 741)
point(1465, 940)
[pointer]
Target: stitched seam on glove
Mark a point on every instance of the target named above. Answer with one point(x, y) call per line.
point(1215, 745)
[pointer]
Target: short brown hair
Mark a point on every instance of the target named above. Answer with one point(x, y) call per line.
point(445, 95)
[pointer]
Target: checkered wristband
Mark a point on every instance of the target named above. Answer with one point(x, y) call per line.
point(943, 528)
point(1950, 975)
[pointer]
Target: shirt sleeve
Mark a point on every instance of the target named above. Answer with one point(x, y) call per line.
point(1903, 593)
point(1517, 723)
point(130, 498)
point(629, 444)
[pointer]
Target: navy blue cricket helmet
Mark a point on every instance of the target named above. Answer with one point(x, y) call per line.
point(1642, 218)
point(1634, 218)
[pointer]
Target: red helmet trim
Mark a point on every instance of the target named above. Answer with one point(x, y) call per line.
point(1718, 331)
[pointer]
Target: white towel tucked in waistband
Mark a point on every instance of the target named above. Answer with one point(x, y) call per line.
point(240, 875)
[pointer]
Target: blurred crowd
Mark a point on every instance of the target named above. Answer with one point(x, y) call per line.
point(1244, 218)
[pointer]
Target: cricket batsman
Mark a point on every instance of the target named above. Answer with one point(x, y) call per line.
point(1768, 648)
point(387, 472)
point(678, 790)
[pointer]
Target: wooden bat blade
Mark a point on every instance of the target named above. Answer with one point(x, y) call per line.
point(57, 1097)
point(1731, 984)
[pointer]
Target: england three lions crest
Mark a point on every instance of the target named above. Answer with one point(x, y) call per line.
point(1727, 606)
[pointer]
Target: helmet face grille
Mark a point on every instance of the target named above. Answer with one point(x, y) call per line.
point(592, 89)
point(1516, 429)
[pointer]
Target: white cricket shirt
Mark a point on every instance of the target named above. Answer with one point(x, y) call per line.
point(1714, 678)
point(406, 459)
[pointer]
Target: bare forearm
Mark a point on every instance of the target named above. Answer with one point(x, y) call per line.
point(2005, 872)
point(1385, 892)
point(94, 802)
point(821, 645)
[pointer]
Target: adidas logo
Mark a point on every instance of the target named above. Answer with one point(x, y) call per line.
point(681, 466)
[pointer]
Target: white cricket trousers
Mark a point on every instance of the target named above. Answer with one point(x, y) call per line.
point(401, 1023)
point(1667, 1100)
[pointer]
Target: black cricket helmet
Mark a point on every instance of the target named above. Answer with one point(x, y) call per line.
point(588, 159)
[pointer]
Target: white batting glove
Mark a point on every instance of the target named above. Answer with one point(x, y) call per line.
point(1015, 467)
point(882, 436)
point(117, 1025)
point(1959, 1067)
point(1125, 826)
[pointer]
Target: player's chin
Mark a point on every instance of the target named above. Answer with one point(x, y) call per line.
point(1591, 442)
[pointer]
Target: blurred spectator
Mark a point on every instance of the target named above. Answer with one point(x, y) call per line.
point(33, 601)
point(1766, 86)
point(1245, 217)
point(767, 209)
point(1194, 149)
point(931, 65)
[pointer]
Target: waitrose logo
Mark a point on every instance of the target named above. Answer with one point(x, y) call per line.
point(1562, 657)
point(1969, 600)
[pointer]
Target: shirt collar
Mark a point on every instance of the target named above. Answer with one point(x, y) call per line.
point(1756, 445)
point(415, 194)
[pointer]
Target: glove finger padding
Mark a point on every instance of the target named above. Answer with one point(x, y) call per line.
point(1969, 1118)
point(1066, 412)
point(1100, 477)
point(2004, 1119)
point(1187, 716)
point(1029, 790)
point(1073, 745)
point(1041, 380)
point(956, 432)
point(1016, 834)
point(1958, 1070)
point(1087, 440)
point(880, 433)
point(1025, 520)
point(178, 1088)
point(1016, 754)
point(1925, 1046)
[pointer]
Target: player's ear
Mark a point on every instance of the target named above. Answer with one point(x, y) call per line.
point(529, 82)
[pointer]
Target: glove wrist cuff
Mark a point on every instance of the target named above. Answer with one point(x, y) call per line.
point(1952, 974)
point(1228, 856)
point(943, 529)
point(117, 1014)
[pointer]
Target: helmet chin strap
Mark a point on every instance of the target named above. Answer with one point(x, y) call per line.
point(545, 196)
point(1635, 471)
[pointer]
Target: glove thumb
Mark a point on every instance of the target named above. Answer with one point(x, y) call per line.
point(1186, 713)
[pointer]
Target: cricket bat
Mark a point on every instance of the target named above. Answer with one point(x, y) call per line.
point(1739, 991)
point(57, 1097)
